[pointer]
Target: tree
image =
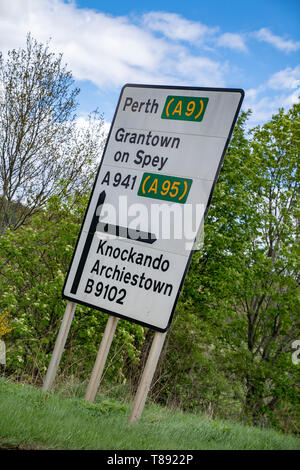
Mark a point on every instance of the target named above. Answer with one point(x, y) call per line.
point(272, 306)
point(33, 264)
point(229, 350)
point(244, 283)
point(42, 151)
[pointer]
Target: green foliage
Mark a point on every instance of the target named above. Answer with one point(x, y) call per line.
point(239, 311)
point(42, 150)
point(33, 419)
point(34, 261)
point(228, 352)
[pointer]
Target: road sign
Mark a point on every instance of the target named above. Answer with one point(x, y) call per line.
point(150, 197)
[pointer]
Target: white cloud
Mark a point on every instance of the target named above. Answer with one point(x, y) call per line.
point(288, 78)
point(276, 93)
point(82, 122)
point(233, 41)
point(291, 99)
point(251, 94)
point(286, 45)
point(262, 107)
point(175, 27)
point(201, 70)
point(158, 48)
point(109, 51)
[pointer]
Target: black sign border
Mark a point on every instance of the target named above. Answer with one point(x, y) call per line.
point(132, 85)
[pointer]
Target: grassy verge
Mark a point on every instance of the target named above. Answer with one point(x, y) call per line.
point(30, 419)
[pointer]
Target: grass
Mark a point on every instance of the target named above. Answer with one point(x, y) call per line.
point(31, 419)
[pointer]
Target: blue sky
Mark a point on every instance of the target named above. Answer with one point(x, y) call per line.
point(253, 45)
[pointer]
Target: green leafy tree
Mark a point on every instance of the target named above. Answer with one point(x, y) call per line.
point(33, 264)
point(42, 151)
point(243, 285)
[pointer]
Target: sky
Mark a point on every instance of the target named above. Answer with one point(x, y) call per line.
point(254, 45)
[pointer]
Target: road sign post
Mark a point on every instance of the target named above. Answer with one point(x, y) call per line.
point(101, 358)
point(150, 197)
point(59, 345)
point(147, 376)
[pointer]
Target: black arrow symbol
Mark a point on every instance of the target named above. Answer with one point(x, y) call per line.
point(117, 230)
point(87, 244)
point(125, 232)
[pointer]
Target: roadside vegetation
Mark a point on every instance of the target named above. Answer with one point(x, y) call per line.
point(228, 354)
point(30, 419)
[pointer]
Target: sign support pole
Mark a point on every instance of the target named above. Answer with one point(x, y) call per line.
point(147, 376)
point(59, 345)
point(101, 358)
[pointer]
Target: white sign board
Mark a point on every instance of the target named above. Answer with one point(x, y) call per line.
point(150, 197)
